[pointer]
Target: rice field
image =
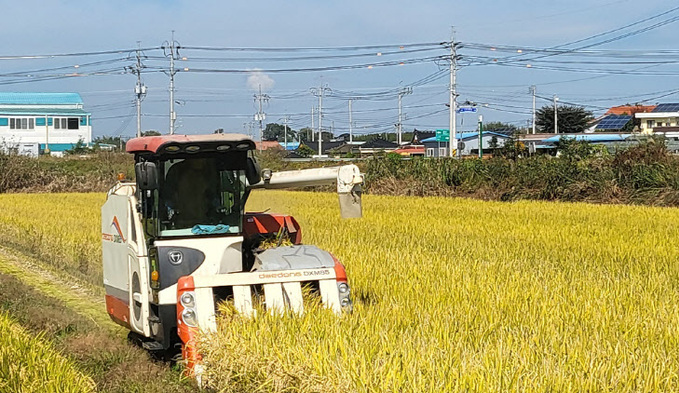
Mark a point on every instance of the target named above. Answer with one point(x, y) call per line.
point(30, 364)
point(450, 295)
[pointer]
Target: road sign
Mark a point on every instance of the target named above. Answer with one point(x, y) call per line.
point(442, 135)
point(467, 109)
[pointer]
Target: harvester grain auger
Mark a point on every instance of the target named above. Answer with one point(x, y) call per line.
point(178, 240)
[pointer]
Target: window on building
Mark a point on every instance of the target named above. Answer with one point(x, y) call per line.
point(650, 123)
point(73, 123)
point(22, 123)
point(70, 123)
point(442, 151)
point(430, 152)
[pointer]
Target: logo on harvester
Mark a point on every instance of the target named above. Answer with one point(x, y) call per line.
point(116, 238)
point(175, 257)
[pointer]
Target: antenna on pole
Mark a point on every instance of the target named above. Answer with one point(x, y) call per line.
point(171, 49)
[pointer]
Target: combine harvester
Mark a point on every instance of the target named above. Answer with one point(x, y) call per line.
point(178, 241)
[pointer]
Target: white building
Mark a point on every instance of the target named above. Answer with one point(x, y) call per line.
point(469, 145)
point(43, 122)
point(663, 119)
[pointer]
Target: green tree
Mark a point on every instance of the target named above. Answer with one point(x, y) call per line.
point(79, 148)
point(304, 134)
point(305, 151)
point(493, 145)
point(150, 133)
point(570, 119)
point(276, 132)
point(498, 126)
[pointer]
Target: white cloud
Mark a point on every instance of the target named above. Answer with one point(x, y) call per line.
point(257, 79)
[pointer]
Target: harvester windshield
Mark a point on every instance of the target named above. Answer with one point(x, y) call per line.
point(200, 196)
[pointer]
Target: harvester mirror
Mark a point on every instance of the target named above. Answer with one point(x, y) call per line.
point(147, 175)
point(252, 171)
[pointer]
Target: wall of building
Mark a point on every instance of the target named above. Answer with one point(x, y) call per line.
point(44, 130)
point(440, 149)
point(655, 120)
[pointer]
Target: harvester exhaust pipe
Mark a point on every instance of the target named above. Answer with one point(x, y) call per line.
point(348, 179)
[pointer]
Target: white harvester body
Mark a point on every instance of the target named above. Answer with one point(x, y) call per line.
point(164, 269)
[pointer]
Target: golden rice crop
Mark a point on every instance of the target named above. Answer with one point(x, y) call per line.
point(29, 364)
point(450, 295)
point(462, 295)
point(61, 229)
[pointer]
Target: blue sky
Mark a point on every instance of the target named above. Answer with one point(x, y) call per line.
point(210, 101)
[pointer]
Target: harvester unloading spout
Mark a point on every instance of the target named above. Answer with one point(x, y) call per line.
point(348, 179)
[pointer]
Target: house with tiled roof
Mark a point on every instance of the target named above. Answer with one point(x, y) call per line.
point(34, 123)
point(630, 110)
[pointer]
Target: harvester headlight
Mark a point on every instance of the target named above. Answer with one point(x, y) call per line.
point(345, 302)
point(188, 300)
point(343, 288)
point(189, 317)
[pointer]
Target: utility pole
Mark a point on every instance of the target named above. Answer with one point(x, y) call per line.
point(401, 93)
point(320, 92)
point(260, 116)
point(453, 95)
point(140, 88)
point(313, 138)
point(285, 131)
point(171, 49)
point(533, 90)
point(556, 118)
point(351, 125)
point(480, 136)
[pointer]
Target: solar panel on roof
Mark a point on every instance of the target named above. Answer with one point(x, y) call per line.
point(673, 107)
point(613, 122)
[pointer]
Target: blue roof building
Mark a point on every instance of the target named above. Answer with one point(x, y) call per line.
point(46, 122)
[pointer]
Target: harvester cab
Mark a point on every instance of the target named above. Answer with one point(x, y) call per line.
point(178, 240)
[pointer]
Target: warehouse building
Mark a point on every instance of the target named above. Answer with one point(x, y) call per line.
point(43, 123)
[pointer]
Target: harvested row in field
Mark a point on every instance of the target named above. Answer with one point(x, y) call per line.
point(28, 363)
point(66, 321)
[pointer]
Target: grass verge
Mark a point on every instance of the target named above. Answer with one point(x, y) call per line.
point(77, 327)
point(28, 363)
